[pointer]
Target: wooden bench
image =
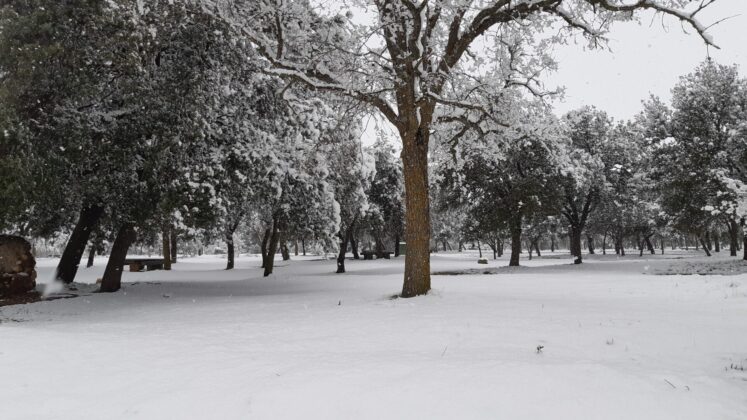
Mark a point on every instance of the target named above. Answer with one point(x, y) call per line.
point(149, 264)
point(369, 255)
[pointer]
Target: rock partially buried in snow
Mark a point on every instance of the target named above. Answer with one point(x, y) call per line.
point(17, 266)
point(482, 261)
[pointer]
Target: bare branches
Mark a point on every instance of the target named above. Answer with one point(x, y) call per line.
point(690, 19)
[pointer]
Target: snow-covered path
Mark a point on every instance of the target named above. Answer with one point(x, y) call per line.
point(199, 343)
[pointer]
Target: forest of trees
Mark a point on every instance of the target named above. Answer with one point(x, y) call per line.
point(173, 125)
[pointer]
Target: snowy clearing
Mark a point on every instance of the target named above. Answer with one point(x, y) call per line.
point(199, 342)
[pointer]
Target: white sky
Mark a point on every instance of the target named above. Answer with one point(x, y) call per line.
point(646, 58)
point(642, 59)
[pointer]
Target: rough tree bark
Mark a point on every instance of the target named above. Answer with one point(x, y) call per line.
point(417, 279)
point(76, 244)
point(112, 280)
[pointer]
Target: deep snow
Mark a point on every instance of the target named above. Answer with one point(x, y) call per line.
point(199, 342)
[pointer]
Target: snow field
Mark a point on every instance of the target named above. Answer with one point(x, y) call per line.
point(199, 342)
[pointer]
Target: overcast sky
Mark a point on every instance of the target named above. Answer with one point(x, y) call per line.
point(643, 59)
point(646, 58)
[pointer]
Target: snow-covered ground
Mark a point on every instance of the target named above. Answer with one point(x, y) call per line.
point(202, 343)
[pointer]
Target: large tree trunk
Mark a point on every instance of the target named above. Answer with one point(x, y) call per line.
point(112, 280)
point(173, 246)
point(229, 250)
point(417, 276)
point(76, 244)
point(166, 243)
